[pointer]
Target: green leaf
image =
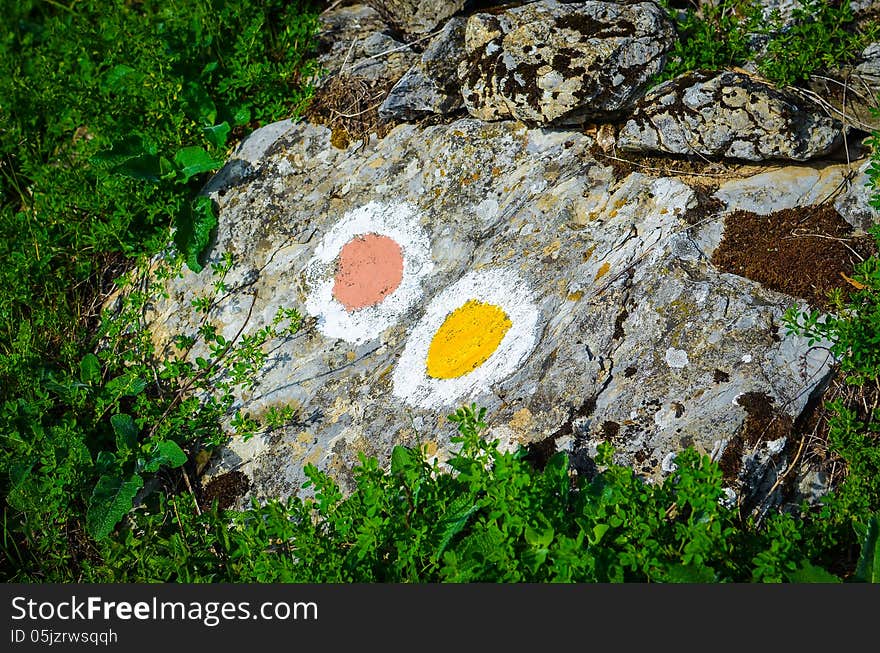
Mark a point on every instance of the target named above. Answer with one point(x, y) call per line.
point(167, 453)
point(90, 369)
point(126, 385)
point(119, 76)
point(809, 573)
point(146, 167)
point(193, 231)
point(126, 431)
point(540, 539)
point(217, 134)
point(111, 500)
point(599, 531)
point(454, 520)
point(402, 459)
point(194, 160)
point(129, 147)
point(868, 567)
point(242, 116)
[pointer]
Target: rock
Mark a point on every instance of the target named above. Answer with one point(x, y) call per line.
point(731, 115)
point(853, 203)
point(431, 86)
point(598, 317)
point(552, 63)
point(792, 186)
point(354, 41)
point(781, 188)
point(414, 17)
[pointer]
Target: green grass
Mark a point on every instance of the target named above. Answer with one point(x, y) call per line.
point(112, 116)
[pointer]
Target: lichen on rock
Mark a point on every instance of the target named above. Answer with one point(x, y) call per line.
point(552, 63)
point(730, 114)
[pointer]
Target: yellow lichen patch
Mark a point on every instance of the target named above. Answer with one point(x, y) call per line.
point(603, 270)
point(575, 296)
point(466, 339)
point(521, 420)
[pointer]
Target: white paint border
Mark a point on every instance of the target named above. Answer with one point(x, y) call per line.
point(396, 221)
point(501, 287)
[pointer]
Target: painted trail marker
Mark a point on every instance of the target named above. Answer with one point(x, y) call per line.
point(473, 334)
point(367, 271)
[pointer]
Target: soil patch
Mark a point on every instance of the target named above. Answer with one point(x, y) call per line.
point(805, 252)
point(226, 488)
point(763, 423)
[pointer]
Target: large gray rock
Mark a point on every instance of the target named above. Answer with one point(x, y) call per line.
point(552, 63)
point(730, 114)
point(431, 86)
point(417, 16)
point(482, 262)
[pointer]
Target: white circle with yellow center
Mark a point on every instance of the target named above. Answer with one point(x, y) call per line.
point(473, 334)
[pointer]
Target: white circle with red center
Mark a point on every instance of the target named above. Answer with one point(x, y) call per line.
point(367, 271)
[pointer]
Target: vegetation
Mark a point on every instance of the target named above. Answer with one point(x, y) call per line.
point(728, 33)
point(113, 114)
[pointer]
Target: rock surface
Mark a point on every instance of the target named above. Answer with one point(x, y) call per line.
point(732, 115)
point(417, 16)
point(552, 63)
point(355, 41)
point(594, 312)
point(431, 86)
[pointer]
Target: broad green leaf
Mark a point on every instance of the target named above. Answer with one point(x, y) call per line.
point(217, 134)
point(90, 369)
point(146, 167)
point(402, 459)
point(111, 500)
point(167, 453)
point(126, 431)
point(540, 539)
point(194, 160)
point(454, 520)
point(809, 573)
point(193, 231)
point(599, 531)
point(128, 384)
point(868, 567)
point(129, 147)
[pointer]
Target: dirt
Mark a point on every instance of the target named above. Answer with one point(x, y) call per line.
point(764, 423)
point(805, 252)
point(226, 488)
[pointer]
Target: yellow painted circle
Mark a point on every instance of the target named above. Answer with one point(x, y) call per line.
point(466, 339)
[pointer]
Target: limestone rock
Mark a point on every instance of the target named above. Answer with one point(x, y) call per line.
point(354, 41)
point(552, 63)
point(597, 314)
point(417, 16)
point(853, 203)
point(431, 86)
point(730, 115)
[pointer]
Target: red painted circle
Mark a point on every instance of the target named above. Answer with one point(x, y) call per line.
point(370, 268)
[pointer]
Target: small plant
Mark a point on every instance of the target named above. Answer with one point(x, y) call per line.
point(731, 33)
